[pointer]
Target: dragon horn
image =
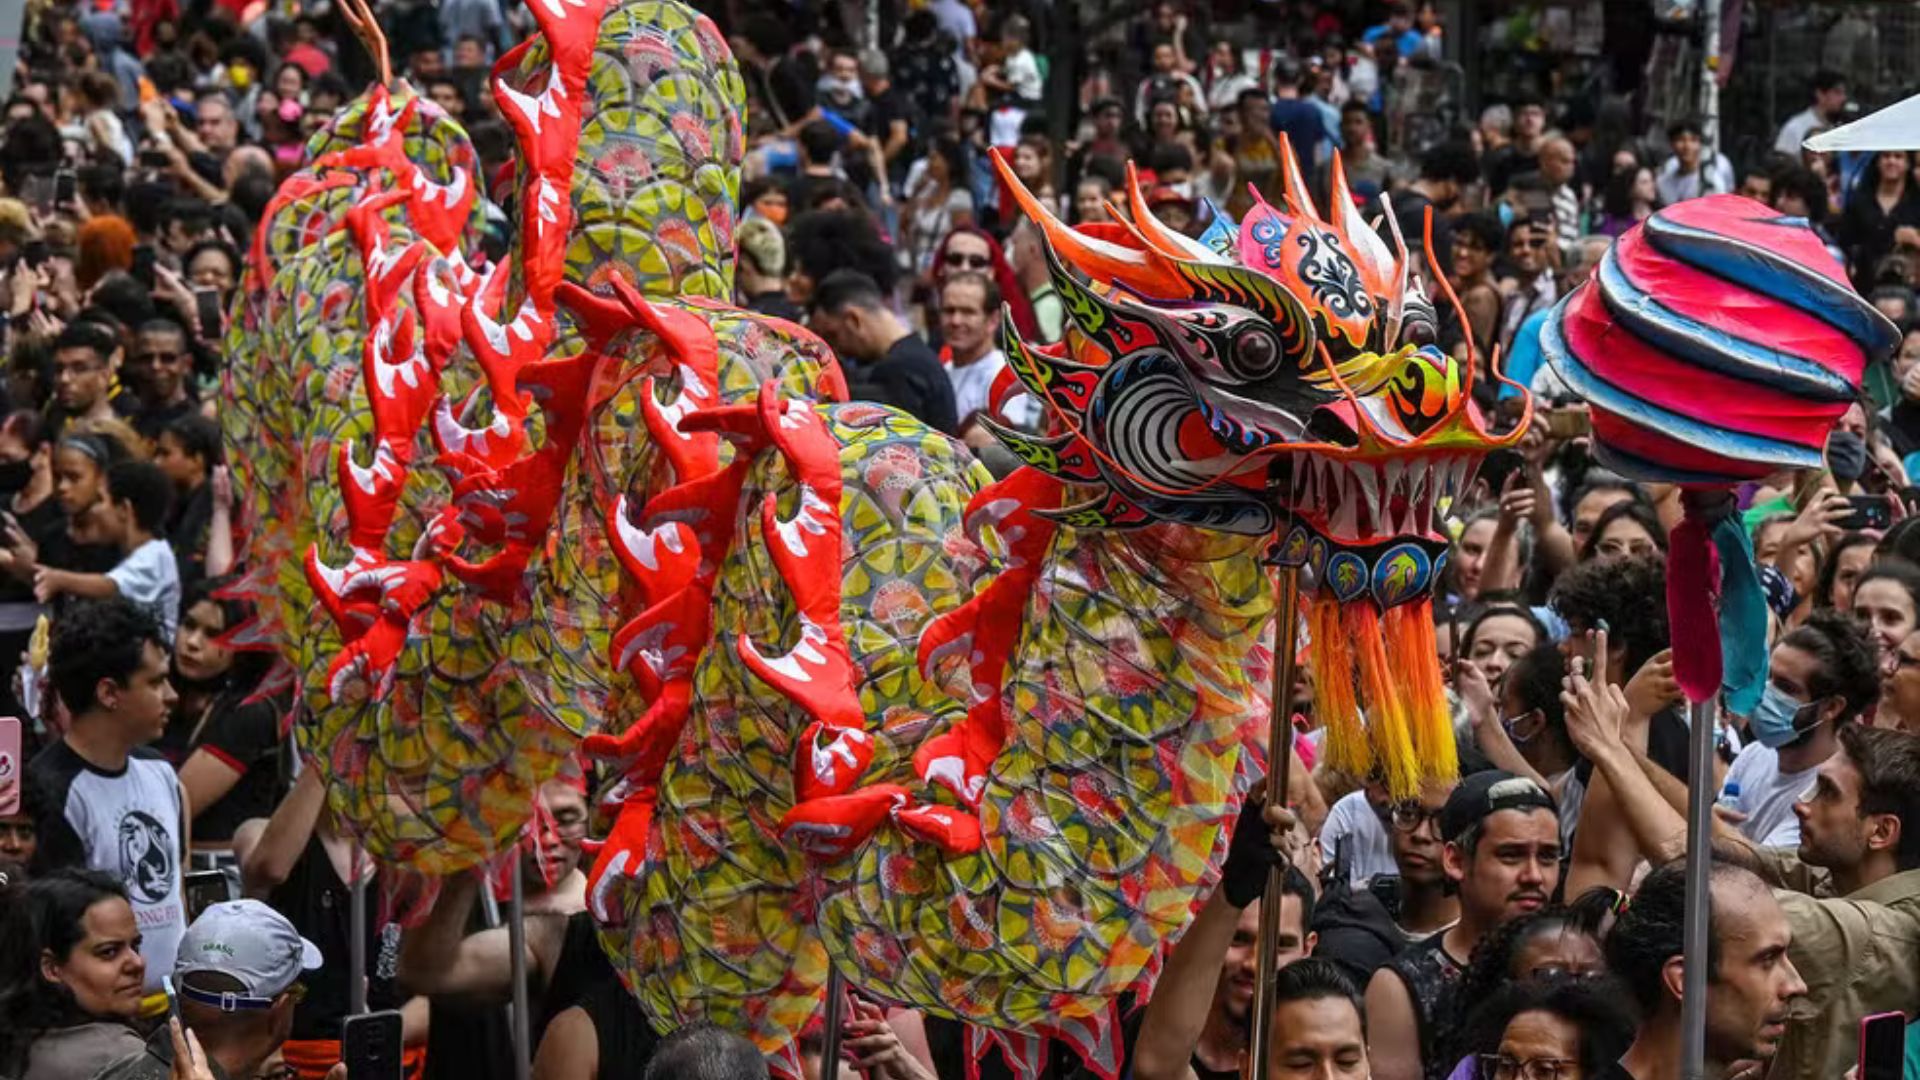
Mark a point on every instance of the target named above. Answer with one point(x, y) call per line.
point(1100, 259)
point(1299, 203)
point(1153, 232)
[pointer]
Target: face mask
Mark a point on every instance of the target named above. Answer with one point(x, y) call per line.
point(1846, 454)
point(1184, 189)
point(844, 89)
point(14, 475)
point(1773, 720)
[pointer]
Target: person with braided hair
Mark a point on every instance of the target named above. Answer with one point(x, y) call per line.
point(1822, 675)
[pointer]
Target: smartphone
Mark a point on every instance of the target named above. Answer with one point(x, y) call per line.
point(1869, 512)
point(1569, 422)
point(173, 1000)
point(205, 888)
point(66, 187)
point(11, 767)
point(1883, 1046)
point(154, 159)
point(35, 253)
point(370, 1045)
point(206, 303)
point(144, 258)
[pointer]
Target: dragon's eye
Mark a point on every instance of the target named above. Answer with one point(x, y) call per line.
point(1256, 353)
point(1419, 323)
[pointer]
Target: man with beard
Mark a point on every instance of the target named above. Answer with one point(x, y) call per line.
point(1501, 852)
point(109, 803)
point(1850, 891)
point(1751, 981)
point(1195, 1027)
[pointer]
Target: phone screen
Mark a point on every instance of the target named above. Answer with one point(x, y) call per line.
point(65, 187)
point(212, 319)
point(370, 1045)
point(10, 764)
point(1883, 1046)
point(205, 888)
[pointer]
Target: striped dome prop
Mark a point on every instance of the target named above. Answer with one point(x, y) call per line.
point(1717, 342)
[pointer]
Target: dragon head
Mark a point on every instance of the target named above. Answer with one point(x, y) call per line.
point(1288, 386)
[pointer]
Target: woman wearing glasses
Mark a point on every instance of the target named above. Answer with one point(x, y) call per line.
point(1557, 1028)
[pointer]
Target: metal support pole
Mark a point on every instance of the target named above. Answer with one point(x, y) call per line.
point(1709, 90)
point(357, 933)
point(517, 944)
point(1286, 638)
point(830, 1039)
point(1693, 1006)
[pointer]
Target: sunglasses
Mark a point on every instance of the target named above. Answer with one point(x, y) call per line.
point(972, 262)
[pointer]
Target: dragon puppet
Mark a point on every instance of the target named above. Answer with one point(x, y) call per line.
point(970, 744)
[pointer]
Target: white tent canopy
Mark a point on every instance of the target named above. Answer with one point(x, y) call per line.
point(1896, 127)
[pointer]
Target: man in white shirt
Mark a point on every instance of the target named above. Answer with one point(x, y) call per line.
point(1685, 176)
point(111, 804)
point(970, 324)
point(1829, 99)
point(1822, 675)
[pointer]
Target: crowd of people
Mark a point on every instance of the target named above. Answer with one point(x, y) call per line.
point(1522, 923)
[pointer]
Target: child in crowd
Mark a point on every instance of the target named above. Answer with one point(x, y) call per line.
point(136, 499)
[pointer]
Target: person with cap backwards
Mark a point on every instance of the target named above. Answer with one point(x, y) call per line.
point(237, 979)
point(1501, 851)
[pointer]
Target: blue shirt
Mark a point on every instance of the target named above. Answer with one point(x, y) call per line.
point(1304, 125)
point(1525, 358)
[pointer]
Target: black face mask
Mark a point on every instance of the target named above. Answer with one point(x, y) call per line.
point(15, 476)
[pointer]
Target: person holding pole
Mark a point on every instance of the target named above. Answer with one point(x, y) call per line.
point(1850, 891)
point(1501, 836)
point(1195, 1027)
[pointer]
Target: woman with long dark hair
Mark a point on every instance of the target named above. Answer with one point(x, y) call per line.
point(226, 746)
point(1882, 212)
point(71, 976)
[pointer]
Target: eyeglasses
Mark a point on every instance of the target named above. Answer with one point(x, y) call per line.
point(19, 831)
point(1409, 816)
point(1537, 243)
point(972, 262)
point(1502, 1067)
point(282, 1071)
point(155, 358)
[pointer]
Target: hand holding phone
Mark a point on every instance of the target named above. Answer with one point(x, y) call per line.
point(1869, 512)
point(370, 1045)
point(1883, 1046)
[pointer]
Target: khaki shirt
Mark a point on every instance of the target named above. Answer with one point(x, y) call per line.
point(1859, 955)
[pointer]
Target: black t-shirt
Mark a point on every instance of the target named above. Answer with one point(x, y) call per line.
point(910, 379)
point(150, 421)
point(626, 1039)
point(1612, 1070)
point(187, 522)
point(246, 738)
point(320, 906)
point(1506, 163)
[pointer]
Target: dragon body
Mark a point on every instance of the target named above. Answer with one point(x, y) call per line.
point(970, 744)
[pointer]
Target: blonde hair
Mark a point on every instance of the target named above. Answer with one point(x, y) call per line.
point(16, 224)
